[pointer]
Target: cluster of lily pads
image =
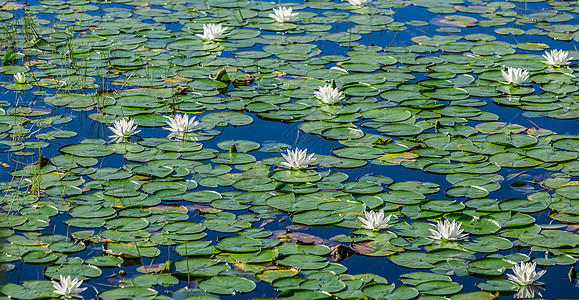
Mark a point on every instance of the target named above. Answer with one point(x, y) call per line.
point(107, 212)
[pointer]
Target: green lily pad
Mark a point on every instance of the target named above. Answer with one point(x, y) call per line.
point(288, 202)
point(82, 272)
point(316, 218)
point(227, 285)
point(87, 150)
point(29, 290)
point(296, 176)
point(439, 287)
point(239, 244)
point(128, 292)
point(303, 261)
point(489, 266)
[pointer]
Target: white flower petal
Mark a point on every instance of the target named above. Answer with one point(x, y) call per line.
point(180, 125)
point(212, 32)
point(297, 159)
point(375, 220)
point(123, 129)
point(557, 58)
point(329, 95)
point(68, 287)
point(283, 14)
point(525, 274)
point(515, 75)
point(19, 78)
point(448, 231)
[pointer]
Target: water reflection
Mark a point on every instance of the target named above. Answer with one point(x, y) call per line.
point(528, 291)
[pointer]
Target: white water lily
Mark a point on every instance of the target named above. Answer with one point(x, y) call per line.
point(329, 95)
point(557, 58)
point(448, 231)
point(68, 287)
point(515, 75)
point(297, 159)
point(180, 125)
point(359, 2)
point(19, 78)
point(375, 220)
point(283, 14)
point(123, 129)
point(212, 32)
point(525, 274)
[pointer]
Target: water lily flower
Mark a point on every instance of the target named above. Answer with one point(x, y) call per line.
point(180, 125)
point(525, 274)
point(515, 75)
point(375, 220)
point(359, 2)
point(212, 32)
point(68, 287)
point(329, 95)
point(19, 78)
point(123, 129)
point(557, 58)
point(297, 159)
point(448, 231)
point(283, 14)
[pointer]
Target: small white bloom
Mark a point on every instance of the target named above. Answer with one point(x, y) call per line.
point(329, 95)
point(297, 159)
point(19, 78)
point(359, 2)
point(123, 129)
point(283, 14)
point(180, 125)
point(375, 220)
point(212, 32)
point(557, 58)
point(515, 75)
point(68, 287)
point(448, 231)
point(525, 274)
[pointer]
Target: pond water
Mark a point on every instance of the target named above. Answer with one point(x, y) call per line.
point(403, 105)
